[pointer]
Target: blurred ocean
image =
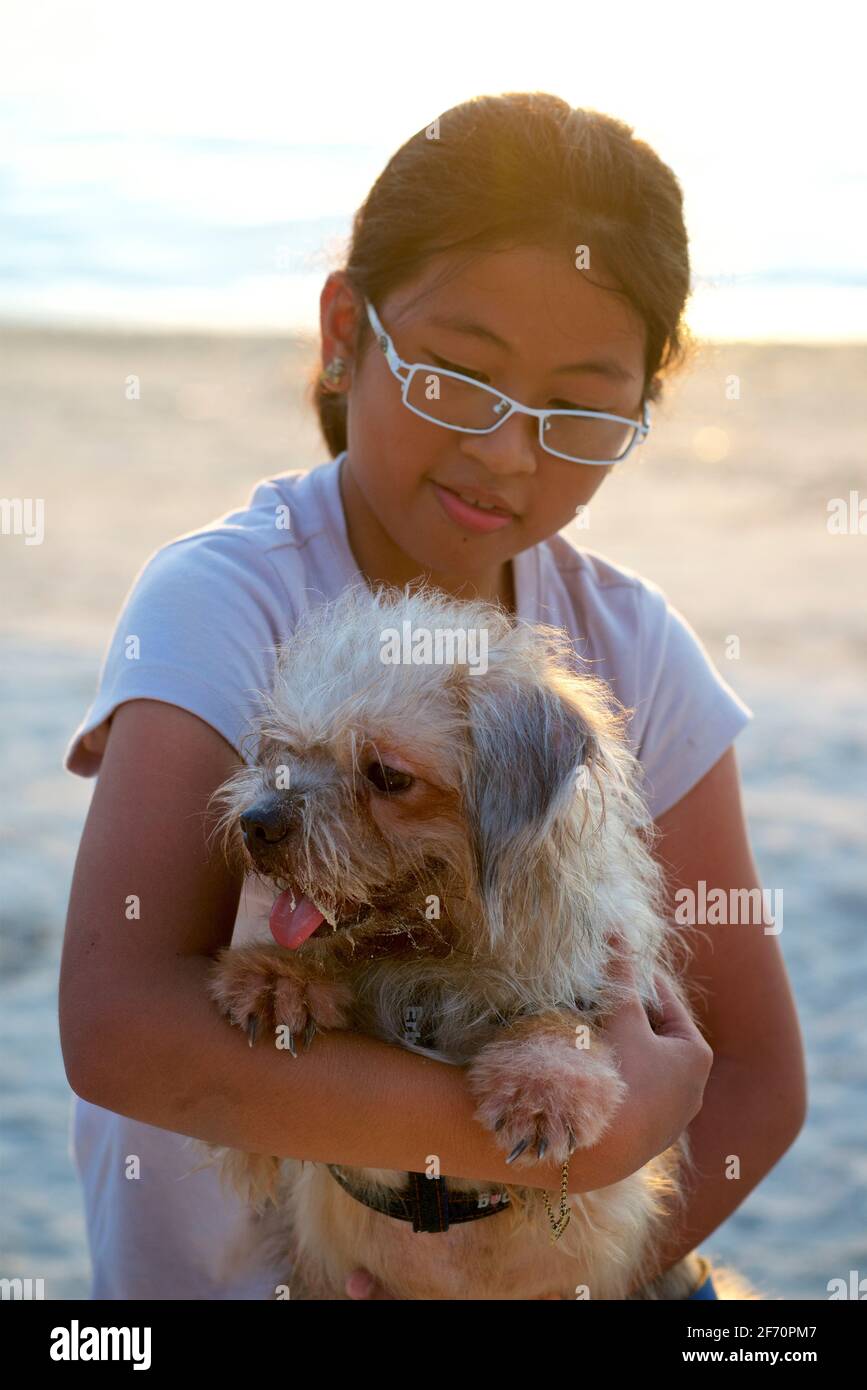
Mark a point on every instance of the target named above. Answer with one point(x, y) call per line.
point(113, 229)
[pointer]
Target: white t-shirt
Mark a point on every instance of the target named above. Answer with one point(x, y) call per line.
point(208, 610)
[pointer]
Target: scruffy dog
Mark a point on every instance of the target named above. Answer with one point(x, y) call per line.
point(460, 847)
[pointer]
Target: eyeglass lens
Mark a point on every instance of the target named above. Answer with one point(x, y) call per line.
point(467, 406)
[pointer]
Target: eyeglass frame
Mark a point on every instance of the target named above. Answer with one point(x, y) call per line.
point(396, 365)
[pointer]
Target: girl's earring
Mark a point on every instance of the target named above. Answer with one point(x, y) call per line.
point(332, 374)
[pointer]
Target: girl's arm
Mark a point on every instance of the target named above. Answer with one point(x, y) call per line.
point(140, 1035)
point(756, 1098)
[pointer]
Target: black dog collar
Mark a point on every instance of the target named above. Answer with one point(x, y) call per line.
point(427, 1202)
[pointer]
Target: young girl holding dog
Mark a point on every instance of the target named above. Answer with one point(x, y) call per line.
point(539, 251)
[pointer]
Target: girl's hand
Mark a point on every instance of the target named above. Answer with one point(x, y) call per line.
point(666, 1067)
point(362, 1285)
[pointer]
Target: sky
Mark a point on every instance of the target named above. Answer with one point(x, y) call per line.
point(757, 107)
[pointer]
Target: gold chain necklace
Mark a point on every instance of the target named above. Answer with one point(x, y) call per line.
point(561, 1221)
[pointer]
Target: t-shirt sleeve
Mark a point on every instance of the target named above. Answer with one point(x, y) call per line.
point(198, 629)
point(686, 714)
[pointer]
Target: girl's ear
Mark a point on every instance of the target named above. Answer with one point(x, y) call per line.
point(526, 747)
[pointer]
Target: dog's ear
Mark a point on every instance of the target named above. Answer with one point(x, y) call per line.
point(527, 745)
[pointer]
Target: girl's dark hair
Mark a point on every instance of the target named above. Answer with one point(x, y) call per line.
point(525, 169)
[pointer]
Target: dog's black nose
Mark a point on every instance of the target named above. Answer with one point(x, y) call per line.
point(268, 822)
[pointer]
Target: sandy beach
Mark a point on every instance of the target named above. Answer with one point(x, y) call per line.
point(727, 500)
point(726, 508)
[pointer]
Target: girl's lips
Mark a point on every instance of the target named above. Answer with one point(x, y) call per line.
point(468, 517)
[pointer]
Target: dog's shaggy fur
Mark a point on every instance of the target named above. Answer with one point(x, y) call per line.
point(473, 907)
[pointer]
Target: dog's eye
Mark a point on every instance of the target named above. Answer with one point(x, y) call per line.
point(388, 779)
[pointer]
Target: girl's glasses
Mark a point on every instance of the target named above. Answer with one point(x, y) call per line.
point(459, 403)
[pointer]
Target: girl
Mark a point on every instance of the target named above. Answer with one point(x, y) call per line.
point(540, 252)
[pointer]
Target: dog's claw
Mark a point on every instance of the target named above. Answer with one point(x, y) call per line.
point(541, 1148)
point(290, 1040)
point(252, 1029)
point(309, 1033)
point(573, 1142)
point(500, 1123)
point(518, 1150)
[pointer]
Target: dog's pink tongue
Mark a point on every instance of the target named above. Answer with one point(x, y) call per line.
point(291, 925)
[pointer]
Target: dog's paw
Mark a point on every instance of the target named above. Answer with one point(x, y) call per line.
point(261, 989)
point(541, 1092)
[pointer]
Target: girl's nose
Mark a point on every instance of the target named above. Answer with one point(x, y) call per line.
point(511, 448)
